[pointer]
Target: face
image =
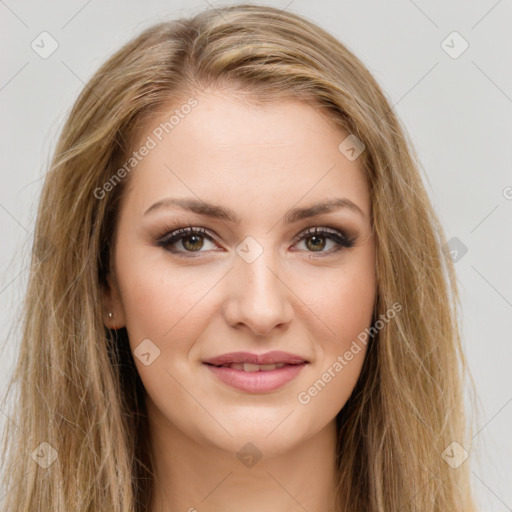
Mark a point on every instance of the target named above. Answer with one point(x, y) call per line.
point(256, 274)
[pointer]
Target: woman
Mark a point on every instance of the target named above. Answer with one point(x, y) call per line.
point(239, 296)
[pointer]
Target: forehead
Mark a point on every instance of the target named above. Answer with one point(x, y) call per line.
point(228, 148)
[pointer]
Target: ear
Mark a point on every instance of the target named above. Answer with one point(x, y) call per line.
point(111, 299)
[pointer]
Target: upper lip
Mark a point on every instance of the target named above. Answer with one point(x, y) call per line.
point(247, 357)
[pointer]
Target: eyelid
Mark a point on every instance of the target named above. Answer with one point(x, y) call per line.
point(324, 229)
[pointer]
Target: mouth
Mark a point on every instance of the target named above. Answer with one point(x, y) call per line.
point(247, 358)
point(250, 367)
point(255, 373)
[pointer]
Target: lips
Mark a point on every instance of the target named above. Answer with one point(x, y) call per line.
point(256, 373)
point(250, 367)
point(249, 359)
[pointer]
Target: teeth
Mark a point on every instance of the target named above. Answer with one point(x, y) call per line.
point(250, 367)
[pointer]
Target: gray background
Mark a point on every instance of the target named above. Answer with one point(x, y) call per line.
point(457, 111)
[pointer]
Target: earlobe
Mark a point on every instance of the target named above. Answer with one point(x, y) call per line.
point(113, 312)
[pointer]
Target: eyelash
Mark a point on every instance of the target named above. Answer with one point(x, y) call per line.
point(168, 237)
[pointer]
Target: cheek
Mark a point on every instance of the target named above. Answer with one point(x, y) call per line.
point(344, 300)
point(348, 308)
point(347, 311)
point(345, 305)
point(158, 299)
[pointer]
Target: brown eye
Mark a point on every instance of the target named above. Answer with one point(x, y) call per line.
point(316, 243)
point(192, 240)
point(316, 239)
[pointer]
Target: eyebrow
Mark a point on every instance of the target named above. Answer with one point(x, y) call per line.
point(223, 213)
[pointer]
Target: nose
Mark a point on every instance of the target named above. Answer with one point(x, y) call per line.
point(257, 295)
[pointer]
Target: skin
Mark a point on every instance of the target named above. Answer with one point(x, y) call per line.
point(260, 162)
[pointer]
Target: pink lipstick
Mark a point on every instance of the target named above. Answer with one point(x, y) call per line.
point(256, 373)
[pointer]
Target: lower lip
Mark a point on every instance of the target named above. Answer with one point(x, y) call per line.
point(257, 382)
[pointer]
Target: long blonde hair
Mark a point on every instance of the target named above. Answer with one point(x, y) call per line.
point(75, 382)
